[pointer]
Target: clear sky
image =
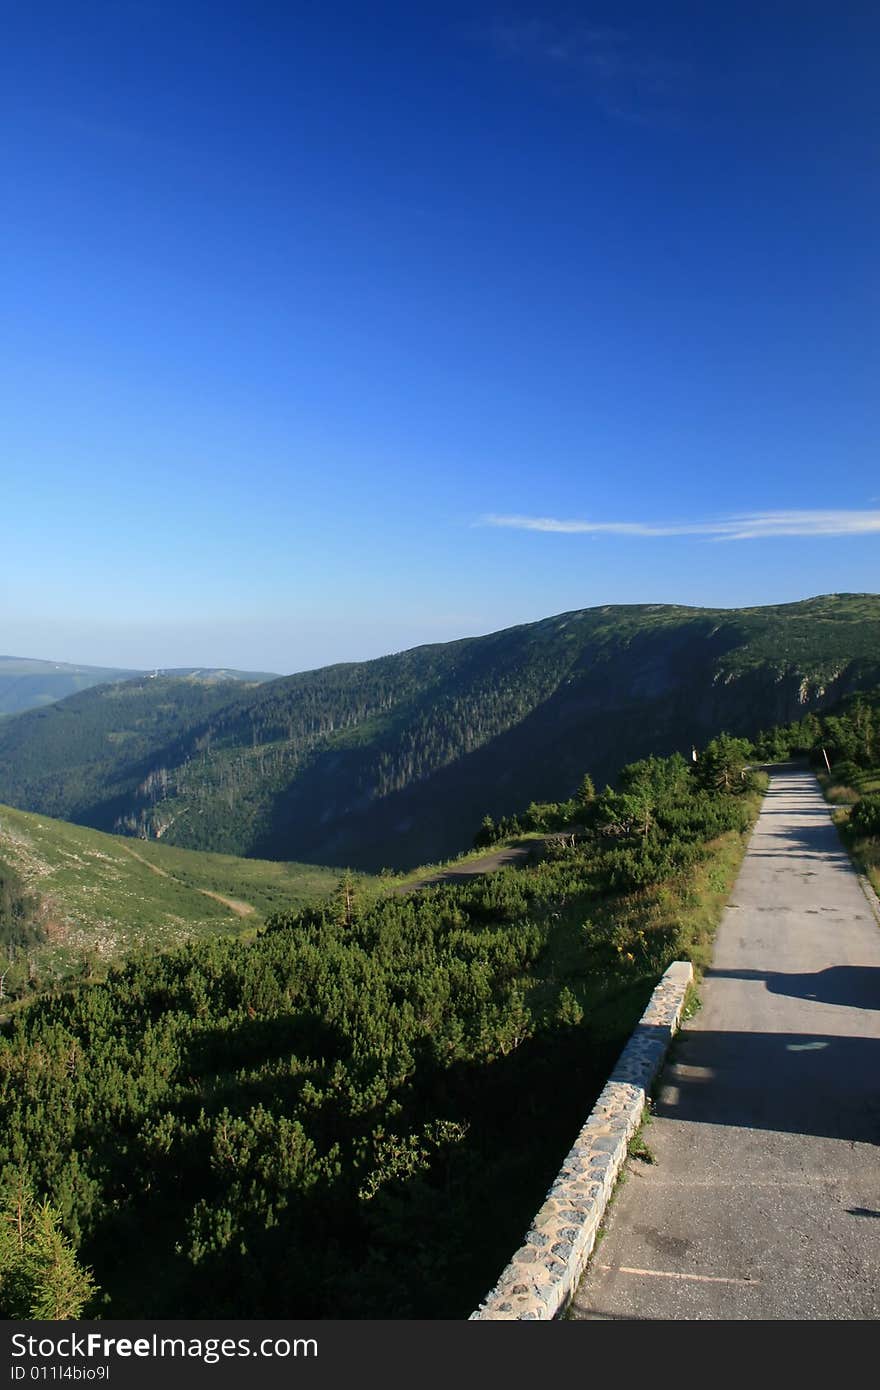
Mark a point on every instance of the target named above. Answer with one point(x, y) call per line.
point(332, 329)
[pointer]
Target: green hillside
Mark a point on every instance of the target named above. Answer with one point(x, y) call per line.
point(356, 1112)
point(88, 898)
point(394, 761)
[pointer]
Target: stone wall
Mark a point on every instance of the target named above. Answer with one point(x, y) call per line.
point(542, 1276)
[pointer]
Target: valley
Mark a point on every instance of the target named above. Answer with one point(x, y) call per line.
point(393, 762)
point(299, 1087)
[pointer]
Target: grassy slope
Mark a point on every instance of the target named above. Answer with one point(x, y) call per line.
point(112, 896)
point(865, 851)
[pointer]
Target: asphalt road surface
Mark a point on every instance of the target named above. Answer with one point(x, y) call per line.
point(518, 853)
point(764, 1201)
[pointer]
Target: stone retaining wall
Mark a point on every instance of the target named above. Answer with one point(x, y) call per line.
point(543, 1274)
point(873, 900)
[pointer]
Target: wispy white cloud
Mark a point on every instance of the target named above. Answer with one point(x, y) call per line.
point(624, 79)
point(746, 526)
point(577, 45)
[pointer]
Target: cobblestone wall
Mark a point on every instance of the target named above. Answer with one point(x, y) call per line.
point(543, 1274)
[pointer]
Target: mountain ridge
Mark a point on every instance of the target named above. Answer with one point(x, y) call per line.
point(396, 760)
point(32, 683)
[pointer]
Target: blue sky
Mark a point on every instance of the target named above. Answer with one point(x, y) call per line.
point(329, 330)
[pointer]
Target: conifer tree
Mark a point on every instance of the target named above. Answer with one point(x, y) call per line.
point(344, 900)
point(586, 790)
point(40, 1276)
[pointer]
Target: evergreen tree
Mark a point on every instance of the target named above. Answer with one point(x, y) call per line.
point(587, 790)
point(487, 834)
point(722, 764)
point(344, 910)
point(40, 1276)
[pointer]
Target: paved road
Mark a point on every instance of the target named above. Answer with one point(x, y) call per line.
point(520, 852)
point(764, 1201)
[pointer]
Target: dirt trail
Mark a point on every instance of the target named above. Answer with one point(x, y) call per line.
point(153, 868)
point(235, 905)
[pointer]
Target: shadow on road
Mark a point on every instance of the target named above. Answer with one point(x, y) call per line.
point(797, 1083)
point(818, 840)
point(853, 986)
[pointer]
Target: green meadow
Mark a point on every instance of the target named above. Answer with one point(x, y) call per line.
point(92, 898)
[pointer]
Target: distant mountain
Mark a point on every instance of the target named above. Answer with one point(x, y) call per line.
point(215, 673)
point(395, 761)
point(28, 684)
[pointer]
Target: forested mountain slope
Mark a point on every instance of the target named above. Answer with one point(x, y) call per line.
point(395, 761)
